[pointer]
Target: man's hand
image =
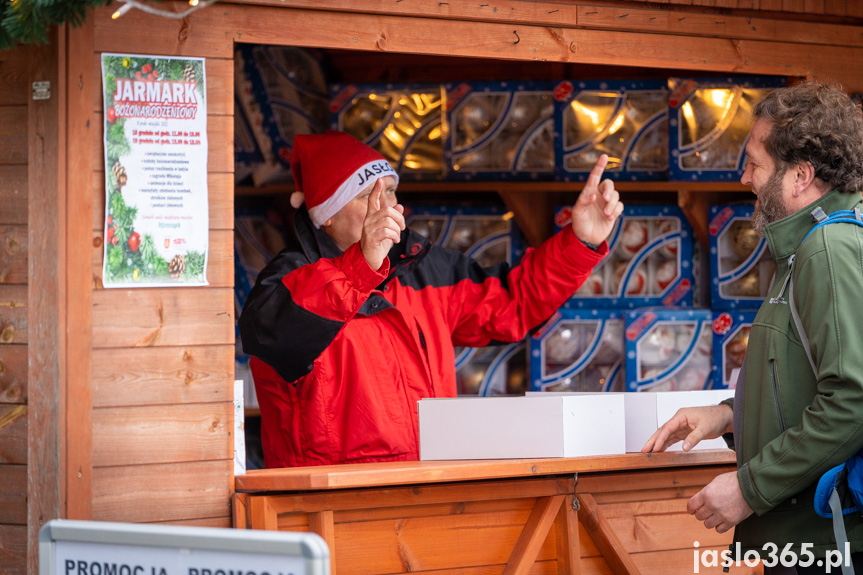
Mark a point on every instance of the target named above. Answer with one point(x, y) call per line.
point(382, 227)
point(720, 504)
point(597, 207)
point(691, 424)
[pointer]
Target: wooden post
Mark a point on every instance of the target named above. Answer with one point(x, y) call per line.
point(46, 271)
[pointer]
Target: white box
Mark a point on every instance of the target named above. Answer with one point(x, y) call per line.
point(646, 411)
point(521, 427)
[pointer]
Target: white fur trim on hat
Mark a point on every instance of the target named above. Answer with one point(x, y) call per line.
point(365, 176)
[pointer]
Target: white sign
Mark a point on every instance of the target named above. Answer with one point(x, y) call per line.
point(156, 197)
point(101, 548)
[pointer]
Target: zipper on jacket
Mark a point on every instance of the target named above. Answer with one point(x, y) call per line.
point(779, 298)
point(776, 395)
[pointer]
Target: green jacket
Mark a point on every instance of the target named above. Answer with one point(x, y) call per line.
point(796, 426)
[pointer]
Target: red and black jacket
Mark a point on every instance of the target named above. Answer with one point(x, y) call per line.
point(343, 353)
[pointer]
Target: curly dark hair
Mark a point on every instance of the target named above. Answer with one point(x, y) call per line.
point(816, 123)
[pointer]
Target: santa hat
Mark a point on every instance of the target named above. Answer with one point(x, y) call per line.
point(331, 169)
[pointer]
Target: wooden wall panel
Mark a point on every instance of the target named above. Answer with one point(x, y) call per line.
point(162, 317)
point(13, 373)
point(220, 192)
point(13, 135)
point(13, 549)
point(162, 434)
point(220, 136)
point(162, 375)
point(13, 194)
point(13, 314)
point(220, 259)
point(13, 77)
point(172, 492)
point(13, 434)
point(13, 495)
point(220, 86)
point(13, 254)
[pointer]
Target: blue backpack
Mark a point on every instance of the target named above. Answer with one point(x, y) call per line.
point(840, 490)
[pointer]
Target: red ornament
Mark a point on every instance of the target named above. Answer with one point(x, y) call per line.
point(112, 117)
point(134, 241)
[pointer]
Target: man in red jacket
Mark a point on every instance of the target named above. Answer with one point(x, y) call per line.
point(350, 331)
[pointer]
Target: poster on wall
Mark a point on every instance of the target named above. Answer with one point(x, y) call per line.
point(156, 197)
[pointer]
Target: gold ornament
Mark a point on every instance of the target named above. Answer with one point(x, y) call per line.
point(743, 238)
point(747, 286)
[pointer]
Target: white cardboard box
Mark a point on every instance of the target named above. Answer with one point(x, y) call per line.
point(542, 425)
point(646, 411)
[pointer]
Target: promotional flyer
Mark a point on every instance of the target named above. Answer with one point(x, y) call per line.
point(156, 201)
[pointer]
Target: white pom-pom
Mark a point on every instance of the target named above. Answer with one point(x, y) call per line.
point(297, 199)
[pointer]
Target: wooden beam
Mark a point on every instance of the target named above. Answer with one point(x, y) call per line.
point(604, 537)
point(79, 288)
point(606, 16)
point(533, 535)
point(212, 33)
point(262, 513)
point(46, 276)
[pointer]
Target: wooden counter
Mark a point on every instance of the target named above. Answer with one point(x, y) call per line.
point(620, 514)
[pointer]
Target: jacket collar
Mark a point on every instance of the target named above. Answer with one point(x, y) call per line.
point(784, 236)
point(317, 244)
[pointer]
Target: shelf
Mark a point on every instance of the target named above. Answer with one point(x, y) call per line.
point(533, 203)
point(521, 187)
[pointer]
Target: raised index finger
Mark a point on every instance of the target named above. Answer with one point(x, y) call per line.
point(375, 197)
point(596, 172)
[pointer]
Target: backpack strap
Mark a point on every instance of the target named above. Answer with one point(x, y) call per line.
point(821, 219)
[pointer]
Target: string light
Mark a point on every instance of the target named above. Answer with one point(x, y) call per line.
point(129, 4)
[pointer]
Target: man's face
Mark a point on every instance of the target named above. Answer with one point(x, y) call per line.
point(346, 227)
point(772, 186)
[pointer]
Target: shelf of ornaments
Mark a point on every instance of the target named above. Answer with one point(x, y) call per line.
point(533, 202)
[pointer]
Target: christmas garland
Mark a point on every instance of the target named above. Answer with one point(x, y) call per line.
point(28, 21)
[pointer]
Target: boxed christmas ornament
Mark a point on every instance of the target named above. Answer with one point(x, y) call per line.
point(741, 269)
point(542, 425)
point(709, 123)
point(668, 349)
point(649, 261)
point(247, 153)
point(401, 121)
point(258, 238)
point(499, 130)
point(730, 340)
point(486, 233)
point(283, 92)
point(626, 120)
point(492, 370)
point(489, 235)
point(579, 350)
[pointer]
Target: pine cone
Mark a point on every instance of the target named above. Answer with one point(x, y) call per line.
point(119, 174)
point(177, 266)
point(189, 74)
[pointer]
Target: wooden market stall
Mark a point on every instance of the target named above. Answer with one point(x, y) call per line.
point(116, 404)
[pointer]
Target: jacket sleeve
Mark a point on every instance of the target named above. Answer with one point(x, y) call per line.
point(296, 309)
point(826, 292)
point(505, 307)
